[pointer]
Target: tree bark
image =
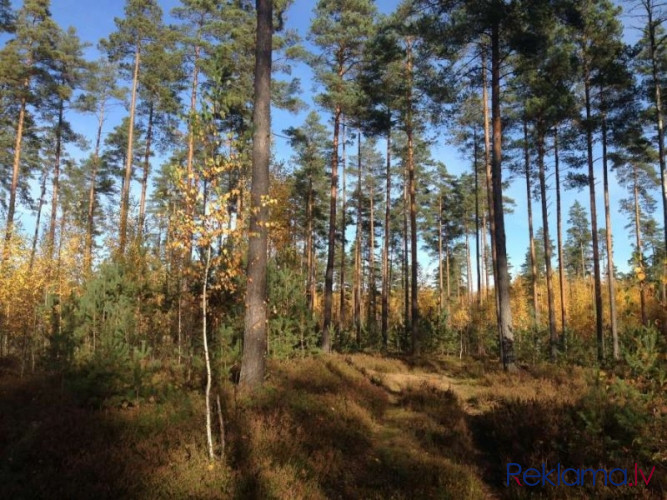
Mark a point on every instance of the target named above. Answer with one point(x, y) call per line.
point(441, 290)
point(485, 257)
point(652, 24)
point(406, 255)
point(490, 190)
point(559, 230)
point(15, 178)
point(342, 316)
point(594, 224)
point(56, 182)
point(331, 249)
point(415, 333)
point(638, 243)
point(477, 246)
point(372, 288)
point(503, 284)
point(254, 340)
point(310, 285)
point(207, 359)
point(357, 250)
point(553, 336)
point(191, 147)
point(385, 248)
point(653, 47)
point(146, 172)
point(90, 226)
point(611, 281)
point(529, 201)
point(35, 238)
point(125, 196)
point(466, 231)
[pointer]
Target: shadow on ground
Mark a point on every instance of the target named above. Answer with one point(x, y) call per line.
point(323, 429)
point(327, 427)
point(576, 435)
point(52, 447)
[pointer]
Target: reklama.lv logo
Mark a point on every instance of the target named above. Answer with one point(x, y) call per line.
point(575, 477)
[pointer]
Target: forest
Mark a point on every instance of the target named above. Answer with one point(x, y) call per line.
point(333, 249)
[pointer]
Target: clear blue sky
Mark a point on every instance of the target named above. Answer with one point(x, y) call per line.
point(95, 20)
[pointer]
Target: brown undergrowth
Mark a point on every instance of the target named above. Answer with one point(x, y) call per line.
point(355, 426)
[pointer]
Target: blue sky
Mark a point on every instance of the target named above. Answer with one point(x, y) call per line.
point(95, 20)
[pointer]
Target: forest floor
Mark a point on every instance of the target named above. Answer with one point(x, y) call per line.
point(340, 426)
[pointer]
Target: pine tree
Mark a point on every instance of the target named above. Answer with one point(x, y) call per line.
point(652, 60)
point(254, 339)
point(595, 33)
point(578, 244)
point(545, 70)
point(67, 66)
point(159, 89)
point(135, 32)
point(633, 159)
point(339, 31)
point(100, 91)
point(311, 150)
point(24, 64)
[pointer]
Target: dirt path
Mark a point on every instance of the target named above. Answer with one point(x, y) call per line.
point(428, 416)
point(469, 392)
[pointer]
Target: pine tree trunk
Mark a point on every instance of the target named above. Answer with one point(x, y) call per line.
point(594, 224)
point(415, 333)
point(191, 147)
point(406, 256)
point(638, 243)
point(42, 196)
point(466, 231)
point(144, 178)
point(441, 290)
point(357, 250)
point(342, 316)
point(610, 249)
point(553, 336)
point(310, 285)
point(385, 248)
point(56, 183)
point(372, 289)
point(331, 248)
point(477, 248)
point(448, 278)
point(490, 190)
point(503, 284)
point(485, 257)
point(254, 339)
point(125, 195)
point(653, 47)
point(15, 179)
point(90, 226)
point(531, 237)
point(559, 229)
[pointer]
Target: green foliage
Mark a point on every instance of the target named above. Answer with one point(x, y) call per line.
point(644, 352)
point(292, 331)
point(614, 418)
point(98, 344)
point(437, 337)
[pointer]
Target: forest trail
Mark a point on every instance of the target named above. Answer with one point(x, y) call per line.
point(397, 382)
point(418, 419)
